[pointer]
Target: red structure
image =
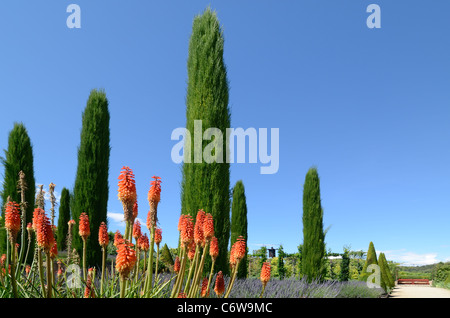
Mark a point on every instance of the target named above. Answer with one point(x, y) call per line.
point(414, 281)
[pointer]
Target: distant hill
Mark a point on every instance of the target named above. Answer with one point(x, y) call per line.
point(424, 271)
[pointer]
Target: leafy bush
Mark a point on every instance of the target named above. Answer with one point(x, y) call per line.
point(358, 289)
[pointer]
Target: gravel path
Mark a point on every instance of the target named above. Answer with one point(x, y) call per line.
point(418, 291)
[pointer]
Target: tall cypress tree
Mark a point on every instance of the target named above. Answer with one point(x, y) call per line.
point(239, 223)
point(90, 192)
point(313, 234)
point(18, 157)
point(207, 185)
point(63, 218)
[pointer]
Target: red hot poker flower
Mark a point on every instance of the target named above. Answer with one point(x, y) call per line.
point(126, 258)
point(12, 219)
point(137, 233)
point(214, 248)
point(143, 243)
point(84, 226)
point(208, 227)
point(265, 273)
point(219, 288)
point(103, 237)
point(158, 236)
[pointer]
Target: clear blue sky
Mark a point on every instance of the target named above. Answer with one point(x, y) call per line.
point(369, 107)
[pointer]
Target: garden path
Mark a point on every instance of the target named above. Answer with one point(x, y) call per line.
point(419, 291)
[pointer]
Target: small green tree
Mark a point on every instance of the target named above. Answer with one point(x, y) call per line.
point(63, 219)
point(387, 283)
point(313, 234)
point(370, 259)
point(280, 264)
point(345, 266)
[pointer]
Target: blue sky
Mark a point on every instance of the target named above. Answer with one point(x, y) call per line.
point(368, 107)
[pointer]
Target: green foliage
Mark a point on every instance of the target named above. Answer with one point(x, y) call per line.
point(344, 275)
point(386, 282)
point(370, 259)
point(440, 273)
point(207, 185)
point(18, 156)
point(313, 234)
point(90, 193)
point(280, 264)
point(63, 218)
point(166, 256)
point(239, 223)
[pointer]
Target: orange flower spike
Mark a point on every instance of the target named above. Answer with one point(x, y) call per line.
point(176, 265)
point(137, 233)
point(158, 236)
point(182, 295)
point(127, 192)
point(154, 194)
point(36, 214)
point(208, 227)
point(103, 237)
point(187, 230)
point(54, 251)
point(89, 292)
point(265, 273)
point(118, 238)
point(143, 243)
point(126, 258)
point(135, 210)
point(180, 222)
point(191, 252)
point(27, 269)
point(219, 288)
point(44, 233)
point(240, 249)
point(214, 248)
point(204, 287)
point(127, 186)
point(12, 219)
point(84, 227)
point(198, 229)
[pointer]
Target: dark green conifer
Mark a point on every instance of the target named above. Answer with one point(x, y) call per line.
point(313, 234)
point(239, 223)
point(206, 185)
point(18, 157)
point(90, 193)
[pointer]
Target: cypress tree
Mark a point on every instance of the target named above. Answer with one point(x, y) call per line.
point(385, 272)
point(18, 157)
point(280, 263)
point(313, 234)
point(345, 267)
point(371, 258)
point(207, 185)
point(63, 219)
point(239, 223)
point(90, 192)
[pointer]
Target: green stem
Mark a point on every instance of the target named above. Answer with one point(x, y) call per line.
point(156, 265)
point(180, 274)
point(122, 286)
point(13, 268)
point(149, 277)
point(41, 272)
point(103, 270)
point(49, 276)
point(192, 269)
point(199, 271)
point(210, 277)
point(262, 292)
point(235, 270)
point(84, 259)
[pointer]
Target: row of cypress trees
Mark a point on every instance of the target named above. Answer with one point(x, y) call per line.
point(90, 192)
point(204, 185)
